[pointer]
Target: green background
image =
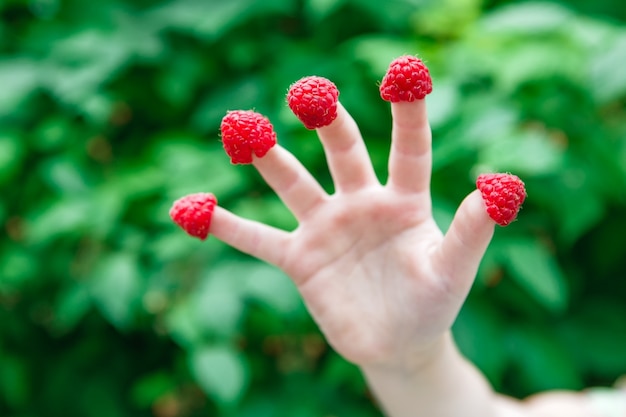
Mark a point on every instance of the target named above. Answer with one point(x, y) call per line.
point(110, 110)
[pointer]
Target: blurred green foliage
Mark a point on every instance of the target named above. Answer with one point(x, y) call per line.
point(109, 111)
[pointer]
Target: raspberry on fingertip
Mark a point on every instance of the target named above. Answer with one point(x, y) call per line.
point(313, 100)
point(193, 213)
point(503, 195)
point(245, 134)
point(407, 79)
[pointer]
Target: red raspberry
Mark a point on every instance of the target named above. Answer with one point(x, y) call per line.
point(314, 101)
point(244, 133)
point(193, 213)
point(503, 195)
point(407, 79)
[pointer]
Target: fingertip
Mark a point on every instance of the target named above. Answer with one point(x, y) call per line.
point(347, 156)
point(472, 224)
point(467, 239)
point(341, 132)
point(341, 120)
point(268, 158)
point(412, 114)
point(475, 208)
point(222, 221)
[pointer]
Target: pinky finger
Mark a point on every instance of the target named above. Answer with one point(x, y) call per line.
point(256, 239)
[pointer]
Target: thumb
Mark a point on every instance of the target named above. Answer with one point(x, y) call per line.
point(465, 243)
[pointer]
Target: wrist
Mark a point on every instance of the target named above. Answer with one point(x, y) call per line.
point(436, 381)
point(415, 359)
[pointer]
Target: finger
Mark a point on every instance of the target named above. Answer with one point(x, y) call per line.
point(290, 180)
point(410, 158)
point(257, 239)
point(348, 160)
point(465, 243)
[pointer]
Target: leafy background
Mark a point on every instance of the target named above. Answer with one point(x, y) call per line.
point(109, 111)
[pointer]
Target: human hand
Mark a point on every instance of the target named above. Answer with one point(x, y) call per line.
point(378, 276)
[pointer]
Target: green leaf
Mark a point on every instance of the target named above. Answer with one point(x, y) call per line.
point(320, 9)
point(150, 388)
point(115, 286)
point(589, 210)
point(15, 383)
point(270, 286)
point(191, 16)
point(447, 18)
point(108, 204)
point(180, 78)
point(530, 18)
point(221, 372)
point(177, 245)
point(540, 360)
point(135, 181)
point(217, 304)
point(45, 9)
point(533, 267)
point(63, 216)
point(245, 93)
point(377, 51)
point(18, 268)
point(78, 67)
point(215, 308)
point(181, 324)
point(64, 175)
point(88, 50)
point(596, 335)
point(526, 61)
point(526, 153)
point(479, 129)
point(393, 17)
point(193, 166)
point(71, 306)
point(570, 189)
point(20, 78)
point(270, 210)
point(442, 103)
point(338, 373)
point(608, 77)
point(53, 133)
point(11, 155)
point(475, 330)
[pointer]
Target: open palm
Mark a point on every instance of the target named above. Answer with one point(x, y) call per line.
point(375, 271)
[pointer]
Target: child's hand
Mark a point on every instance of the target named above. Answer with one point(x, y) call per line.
point(375, 271)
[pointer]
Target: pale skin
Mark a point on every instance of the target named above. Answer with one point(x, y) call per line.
point(380, 279)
